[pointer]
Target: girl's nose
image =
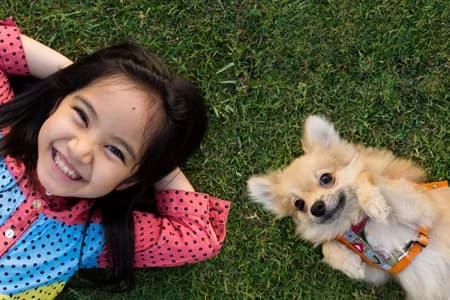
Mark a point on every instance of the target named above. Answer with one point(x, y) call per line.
point(81, 149)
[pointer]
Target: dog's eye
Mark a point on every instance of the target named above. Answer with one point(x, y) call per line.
point(326, 180)
point(300, 204)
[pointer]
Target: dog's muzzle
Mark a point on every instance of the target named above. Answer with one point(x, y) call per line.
point(326, 214)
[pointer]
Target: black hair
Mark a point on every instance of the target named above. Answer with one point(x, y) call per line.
point(182, 128)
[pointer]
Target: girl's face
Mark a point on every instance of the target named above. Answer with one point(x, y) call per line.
point(91, 143)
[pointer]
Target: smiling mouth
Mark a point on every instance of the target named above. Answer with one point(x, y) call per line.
point(335, 213)
point(63, 166)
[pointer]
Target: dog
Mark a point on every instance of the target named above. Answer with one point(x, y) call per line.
point(364, 206)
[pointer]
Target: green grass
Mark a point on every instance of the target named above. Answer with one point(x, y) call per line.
point(378, 69)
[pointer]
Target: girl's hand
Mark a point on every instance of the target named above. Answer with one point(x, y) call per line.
point(175, 180)
point(42, 60)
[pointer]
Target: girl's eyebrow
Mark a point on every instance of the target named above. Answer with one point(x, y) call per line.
point(91, 109)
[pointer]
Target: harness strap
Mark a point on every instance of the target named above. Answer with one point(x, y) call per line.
point(415, 249)
point(435, 185)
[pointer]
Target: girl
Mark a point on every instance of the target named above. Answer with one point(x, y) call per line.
point(80, 154)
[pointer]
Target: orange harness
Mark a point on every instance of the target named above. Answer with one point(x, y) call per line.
point(396, 263)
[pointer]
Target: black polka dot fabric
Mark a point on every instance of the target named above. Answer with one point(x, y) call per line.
point(194, 231)
point(12, 57)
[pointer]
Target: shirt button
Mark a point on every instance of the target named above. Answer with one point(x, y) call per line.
point(36, 203)
point(9, 233)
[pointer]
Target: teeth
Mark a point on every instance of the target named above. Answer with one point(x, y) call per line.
point(65, 169)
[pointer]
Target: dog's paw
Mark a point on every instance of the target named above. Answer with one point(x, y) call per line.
point(354, 269)
point(371, 200)
point(344, 260)
point(376, 207)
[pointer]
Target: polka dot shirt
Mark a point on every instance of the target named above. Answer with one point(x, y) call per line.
point(41, 243)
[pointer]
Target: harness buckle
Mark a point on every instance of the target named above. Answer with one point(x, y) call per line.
point(423, 239)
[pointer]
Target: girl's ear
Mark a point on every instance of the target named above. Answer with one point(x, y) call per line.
point(318, 133)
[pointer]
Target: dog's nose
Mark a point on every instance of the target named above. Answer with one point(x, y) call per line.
point(318, 208)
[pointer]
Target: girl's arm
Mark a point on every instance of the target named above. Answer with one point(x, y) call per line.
point(189, 227)
point(175, 180)
point(42, 60)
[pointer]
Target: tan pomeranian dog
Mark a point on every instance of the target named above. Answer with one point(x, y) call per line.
point(365, 208)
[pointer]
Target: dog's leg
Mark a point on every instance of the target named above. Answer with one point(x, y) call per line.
point(376, 276)
point(410, 204)
point(343, 259)
point(412, 297)
point(371, 200)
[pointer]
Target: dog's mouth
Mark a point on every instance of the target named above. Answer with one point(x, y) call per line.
point(334, 213)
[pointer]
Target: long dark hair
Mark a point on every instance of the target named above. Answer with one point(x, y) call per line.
point(183, 126)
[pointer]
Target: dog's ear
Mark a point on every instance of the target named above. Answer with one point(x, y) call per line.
point(318, 133)
point(262, 190)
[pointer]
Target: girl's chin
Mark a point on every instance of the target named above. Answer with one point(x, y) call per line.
point(48, 184)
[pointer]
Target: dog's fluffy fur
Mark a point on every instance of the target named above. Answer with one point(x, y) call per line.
point(335, 183)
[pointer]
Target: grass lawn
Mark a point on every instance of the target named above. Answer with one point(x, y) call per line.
point(378, 69)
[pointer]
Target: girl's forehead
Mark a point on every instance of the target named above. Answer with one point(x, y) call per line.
point(134, 94)
point(122, 82)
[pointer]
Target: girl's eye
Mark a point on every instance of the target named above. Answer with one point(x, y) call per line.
point(326, 180)
point(82, 115)
point(116, 151)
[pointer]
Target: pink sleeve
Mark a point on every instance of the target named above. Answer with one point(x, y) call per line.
point(12, 57)
point(191, 227)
